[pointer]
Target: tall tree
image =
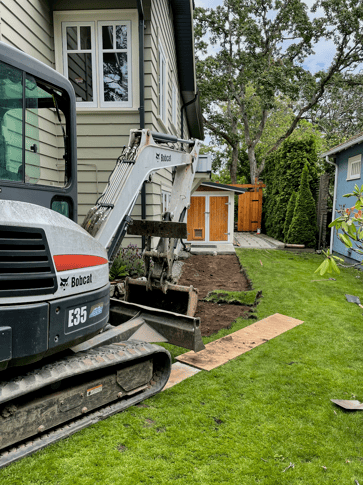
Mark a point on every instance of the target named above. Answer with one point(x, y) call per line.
point(339, 115)
point(253, 53)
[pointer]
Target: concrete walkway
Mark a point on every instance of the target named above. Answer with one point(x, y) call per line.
point(251, 240)
point(212, 248)
point(244, 240)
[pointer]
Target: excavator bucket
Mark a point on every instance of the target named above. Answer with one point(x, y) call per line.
point(177, 299)
point(150, 324)
point(167, 307)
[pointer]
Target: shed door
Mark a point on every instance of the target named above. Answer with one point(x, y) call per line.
point(196, 219)
point(250, 211)
point(218, 218)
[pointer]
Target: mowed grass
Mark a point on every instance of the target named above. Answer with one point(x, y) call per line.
point(247, 421)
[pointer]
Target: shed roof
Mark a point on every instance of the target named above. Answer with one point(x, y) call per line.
point(231, 188)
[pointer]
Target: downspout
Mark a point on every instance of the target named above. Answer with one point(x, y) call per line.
point(181, 113)
point(142, 98)
point(334, 200)
point(141, 63)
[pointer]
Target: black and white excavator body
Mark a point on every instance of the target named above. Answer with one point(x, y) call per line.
point(69, 353)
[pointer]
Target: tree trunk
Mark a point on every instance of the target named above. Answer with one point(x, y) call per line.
point(253, 164)
point(233, 169)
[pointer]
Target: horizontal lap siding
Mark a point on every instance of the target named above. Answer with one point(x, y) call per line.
point(28, 25)
point(100, 139)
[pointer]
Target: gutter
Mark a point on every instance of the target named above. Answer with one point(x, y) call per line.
point(181, 113)
point(141, 63)
point(334, 200)
point(142, 99)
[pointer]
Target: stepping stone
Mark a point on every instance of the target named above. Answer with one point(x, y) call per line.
point(227, 348)
point(179, 372)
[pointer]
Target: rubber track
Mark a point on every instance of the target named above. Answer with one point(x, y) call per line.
point(157, 383)
point(80, 363)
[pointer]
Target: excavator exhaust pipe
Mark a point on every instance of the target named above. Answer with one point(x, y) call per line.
point(177, 299)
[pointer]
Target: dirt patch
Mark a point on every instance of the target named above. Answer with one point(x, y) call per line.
point(208, 273)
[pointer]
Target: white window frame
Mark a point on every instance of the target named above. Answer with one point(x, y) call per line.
point(114, 104)
point(174, 106)
point(165, 200)
point(85, 18)
point(352, 167)
point(162, 78)
point(85, 104)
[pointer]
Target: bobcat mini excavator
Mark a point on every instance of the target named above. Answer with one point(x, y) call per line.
point(70, 355)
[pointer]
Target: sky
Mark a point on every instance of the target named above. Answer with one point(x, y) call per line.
point(324, 51)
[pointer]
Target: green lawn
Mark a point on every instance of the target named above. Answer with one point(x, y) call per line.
point(246, 421)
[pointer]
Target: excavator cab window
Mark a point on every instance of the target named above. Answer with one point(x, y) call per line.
point(33, 130)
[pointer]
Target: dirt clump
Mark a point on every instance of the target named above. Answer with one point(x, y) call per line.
point(208, 273)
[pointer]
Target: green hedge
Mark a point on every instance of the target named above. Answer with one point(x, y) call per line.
point(282, 176)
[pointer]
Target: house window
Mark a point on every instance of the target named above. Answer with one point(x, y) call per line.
point(165, 200)
point(114, 62)
point(162, 84)
point(174, 106)
point(97, 61)
point(354, 164)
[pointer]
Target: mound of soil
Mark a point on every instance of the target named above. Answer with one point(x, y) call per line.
point(208, 273)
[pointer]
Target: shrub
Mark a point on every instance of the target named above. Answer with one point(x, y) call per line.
point(282, 176)
point(128, 262)
point(303, 228)
point(289, 214)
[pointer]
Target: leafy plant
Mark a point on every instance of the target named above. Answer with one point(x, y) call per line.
point(329, 264)
point(118, 270)
point(350, 223)
point(129, 262)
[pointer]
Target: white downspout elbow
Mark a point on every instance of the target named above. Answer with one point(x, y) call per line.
point(334, 199)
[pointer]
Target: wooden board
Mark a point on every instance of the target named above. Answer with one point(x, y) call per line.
point(227, 348)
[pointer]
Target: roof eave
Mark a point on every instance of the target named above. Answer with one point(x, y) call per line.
point(344, 146)
point(184, 41)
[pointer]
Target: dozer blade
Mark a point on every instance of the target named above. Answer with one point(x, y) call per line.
point(177, 299)
point(140, 322)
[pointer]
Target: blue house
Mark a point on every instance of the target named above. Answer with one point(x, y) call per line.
point(347, 158)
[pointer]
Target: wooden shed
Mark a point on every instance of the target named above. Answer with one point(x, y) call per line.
point(210, 217)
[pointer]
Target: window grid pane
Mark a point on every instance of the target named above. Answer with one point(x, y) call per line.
point(115, 63)
point(85, 37)
point(72, 39)
point(355, 169)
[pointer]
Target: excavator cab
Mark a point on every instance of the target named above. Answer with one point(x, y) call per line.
point(37, 135)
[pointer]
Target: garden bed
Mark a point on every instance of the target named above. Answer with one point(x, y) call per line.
point(208, 273)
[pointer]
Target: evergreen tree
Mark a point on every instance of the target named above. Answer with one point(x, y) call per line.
point(303, 228)
point(282, 176)
point(289, 214)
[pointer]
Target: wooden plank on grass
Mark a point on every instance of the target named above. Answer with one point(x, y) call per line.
point(227, 348)
point(179, 372)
